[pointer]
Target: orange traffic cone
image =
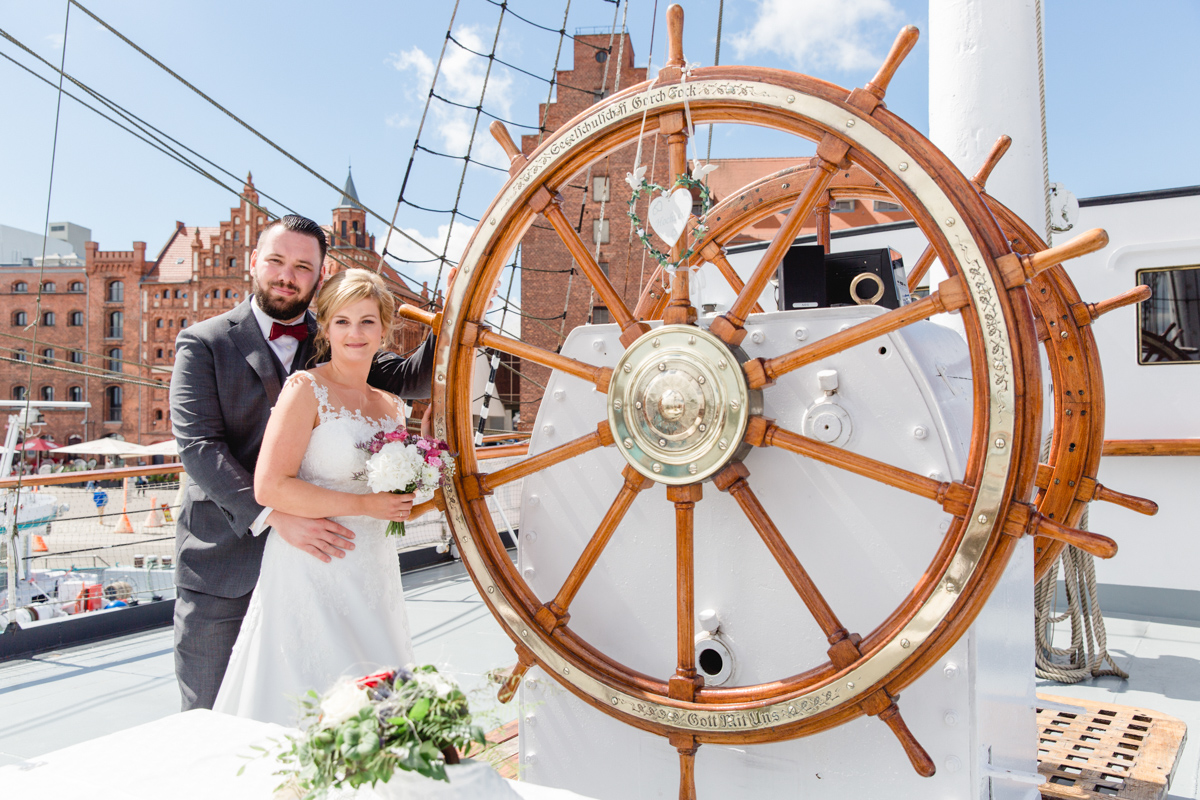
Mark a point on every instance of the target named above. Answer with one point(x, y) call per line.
point(123, 524)
point(39, 545)
point(155, 518)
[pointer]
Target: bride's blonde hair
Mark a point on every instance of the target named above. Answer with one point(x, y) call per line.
point(344, 288)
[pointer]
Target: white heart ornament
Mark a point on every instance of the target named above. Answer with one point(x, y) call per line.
point(669, 214)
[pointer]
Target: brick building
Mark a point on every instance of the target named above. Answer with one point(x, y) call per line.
point(108, 323)
point(548, 289)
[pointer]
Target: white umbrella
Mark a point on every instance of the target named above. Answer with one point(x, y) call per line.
point(103, 447)
point(167, 447)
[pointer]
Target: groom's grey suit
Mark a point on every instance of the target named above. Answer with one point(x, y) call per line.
point(225, 382)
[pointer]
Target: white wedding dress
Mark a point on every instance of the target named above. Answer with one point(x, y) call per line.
point(310, 622)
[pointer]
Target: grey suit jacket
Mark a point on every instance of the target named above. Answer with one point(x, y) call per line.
point(223, 387)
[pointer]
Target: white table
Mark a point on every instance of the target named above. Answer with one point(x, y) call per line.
point(195, 755)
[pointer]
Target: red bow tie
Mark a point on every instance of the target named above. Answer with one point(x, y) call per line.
point(299, 331)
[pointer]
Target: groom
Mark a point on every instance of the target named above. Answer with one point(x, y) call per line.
point(228, 374)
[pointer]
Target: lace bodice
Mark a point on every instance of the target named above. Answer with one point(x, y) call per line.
point(332, 458)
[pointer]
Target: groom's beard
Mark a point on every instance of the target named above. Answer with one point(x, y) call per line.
point(280, 308)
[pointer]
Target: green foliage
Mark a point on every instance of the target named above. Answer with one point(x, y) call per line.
point(409, 719)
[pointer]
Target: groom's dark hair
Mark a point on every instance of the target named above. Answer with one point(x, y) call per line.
point(299, 224)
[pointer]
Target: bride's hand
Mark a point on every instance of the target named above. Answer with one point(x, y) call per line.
point(388, 506)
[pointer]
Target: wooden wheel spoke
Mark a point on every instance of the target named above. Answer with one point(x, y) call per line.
point(729, 325)
point(1088, 489)
point(1024, 520)
point(883, 705)
point(685, 683)
point(601, 437)
point(952, 496)
point(480, 336)
point(556, 613)
point(951, 295)
point(551, 207)
point(919, 270)
point(732, 479)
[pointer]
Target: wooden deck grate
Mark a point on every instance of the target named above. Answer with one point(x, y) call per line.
point(1106, 750)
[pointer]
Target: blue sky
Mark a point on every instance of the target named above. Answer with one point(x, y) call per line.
point(345, 83)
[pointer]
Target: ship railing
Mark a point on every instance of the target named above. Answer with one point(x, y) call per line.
point(88, 557)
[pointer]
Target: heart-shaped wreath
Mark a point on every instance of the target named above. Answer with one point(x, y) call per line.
point(669, 216)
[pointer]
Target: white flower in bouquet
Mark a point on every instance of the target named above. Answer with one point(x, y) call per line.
point(394, 467)
point(344, 701)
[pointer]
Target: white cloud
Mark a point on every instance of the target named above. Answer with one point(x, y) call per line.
point(814, 34)
point(55, 40)
point(461, 80)
point(403, 247)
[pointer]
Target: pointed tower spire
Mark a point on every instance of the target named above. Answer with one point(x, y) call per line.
point(350, 194)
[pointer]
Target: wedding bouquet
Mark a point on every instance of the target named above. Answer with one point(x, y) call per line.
point(363, 730)
point(401, 462)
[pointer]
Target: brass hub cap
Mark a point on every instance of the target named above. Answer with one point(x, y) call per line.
point(678, 404)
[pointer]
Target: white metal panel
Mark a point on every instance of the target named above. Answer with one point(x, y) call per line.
point(865, 544)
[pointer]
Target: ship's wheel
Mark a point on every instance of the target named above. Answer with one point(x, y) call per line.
point(1066, 477)
point(684, 409)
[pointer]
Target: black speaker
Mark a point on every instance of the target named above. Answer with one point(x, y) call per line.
point(808, 278)
point(802, 278)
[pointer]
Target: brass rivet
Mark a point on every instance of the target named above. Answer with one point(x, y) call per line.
point(1000, 444)
point(525, 633)
point(700, 379)
point(791, 98)
point(637, 403)
point(849, 123)
point(662, 367)
point(566, 670)
point(983, 519)
point(721, 364)
point(617, 405)
point(491, 590)
point(692, 469)
point(627, 368)
point(628, 443)
point(657, 467)
point(1062, 334)
point(615, 701)
point(662, 442)
point(949, 222)
point(703, 427)
point(903, 166)
point(723, 444)
point(656, 342)
point(691, 340)
point(905, 643)
point(849, 684)
point(734, 405)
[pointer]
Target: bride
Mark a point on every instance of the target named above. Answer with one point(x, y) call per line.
point(310, 622)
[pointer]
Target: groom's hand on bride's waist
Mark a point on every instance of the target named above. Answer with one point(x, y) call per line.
point(320, 538)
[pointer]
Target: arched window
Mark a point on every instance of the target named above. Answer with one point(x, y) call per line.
point(158, 323)
point(74, 438)
point(76, 357)
point(75, 319)
point(116, 325)
point(176, 294)
point(158, 415)
point(237, 235)
point(228, 294)
point(233, 263)
point(76, 286)
point(48, 355)
point(170, 323)
point(171, 353)
point(114, 359)
point(158, 353)
point(18, 393)
point(112, 396)
point(20, 318)
point(75, 394)
point(48, 394)
point(116, 292)
point(21, 354)
point(48, 287)
point(20, 287)
point(183, 322)
point(48, 319)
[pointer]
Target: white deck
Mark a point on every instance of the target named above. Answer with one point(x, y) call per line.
point(58, 699)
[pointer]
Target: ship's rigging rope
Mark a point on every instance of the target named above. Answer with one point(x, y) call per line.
point(1086, 657)
point(1041, 65)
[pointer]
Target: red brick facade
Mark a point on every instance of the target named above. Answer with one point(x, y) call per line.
point(117, 316)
